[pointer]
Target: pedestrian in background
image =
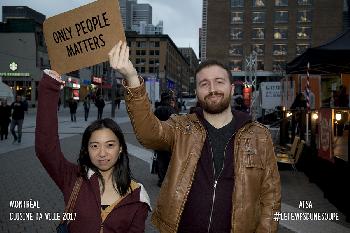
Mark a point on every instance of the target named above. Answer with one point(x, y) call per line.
point(107, 198)
point(163, 113)
point(223, 174)
point(25, 104)
point(73, 105)
point(86, 107)
point(18, 108)
point(100, 104)
point(5, 119)
point(118, 99)
point(59, 104)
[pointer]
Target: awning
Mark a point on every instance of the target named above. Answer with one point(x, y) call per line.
point(331, 58)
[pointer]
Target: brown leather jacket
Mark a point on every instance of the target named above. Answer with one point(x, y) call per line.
point(257, 191)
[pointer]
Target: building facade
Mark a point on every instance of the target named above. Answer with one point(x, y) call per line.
point(157, 57)
point(274, 31)
point(25, 54)
point(193, 61)
point(138, 17)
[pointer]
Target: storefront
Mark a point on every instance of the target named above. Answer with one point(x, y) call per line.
point(21, 83)
point(71, 89)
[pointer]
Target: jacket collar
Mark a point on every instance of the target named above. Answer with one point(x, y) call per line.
point(143, 196)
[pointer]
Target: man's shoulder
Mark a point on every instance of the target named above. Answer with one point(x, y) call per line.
point(256, 127)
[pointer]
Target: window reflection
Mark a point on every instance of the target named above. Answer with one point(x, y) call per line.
point(281, 2)
point(278, 65)
point(303, 32)
point(260, 65)
point(258, 33)
point(237, 17)
point(236, 34)
point(280, 33)
point(236, 50)
point(301, 48)
point(237, 3)
point(304, 2)
point(258, 3)
point(281, 16)
point(279, 49)
point(236, 65)
point(258, 48)
point(304, 16)
point(258, 17)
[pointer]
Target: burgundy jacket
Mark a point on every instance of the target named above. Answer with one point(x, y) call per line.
point(128, 215)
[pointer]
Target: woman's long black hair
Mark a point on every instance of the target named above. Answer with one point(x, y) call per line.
point(121, 174)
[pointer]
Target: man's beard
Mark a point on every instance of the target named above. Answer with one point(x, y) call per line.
point(215, 108)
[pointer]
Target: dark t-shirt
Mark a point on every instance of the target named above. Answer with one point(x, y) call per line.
point(18, 110)
point(218, 141)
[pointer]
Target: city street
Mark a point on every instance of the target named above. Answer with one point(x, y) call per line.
point(22, 178)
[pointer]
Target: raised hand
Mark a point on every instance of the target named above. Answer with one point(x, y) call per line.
point(119, 60)
point(53, 74)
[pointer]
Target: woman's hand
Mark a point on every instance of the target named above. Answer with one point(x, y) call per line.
point(119, 60)
point(53, 74)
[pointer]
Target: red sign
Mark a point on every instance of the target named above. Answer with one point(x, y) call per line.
point(247, 92)
point(325, 139)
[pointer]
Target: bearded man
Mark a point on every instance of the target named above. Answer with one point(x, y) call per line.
point(223, 175)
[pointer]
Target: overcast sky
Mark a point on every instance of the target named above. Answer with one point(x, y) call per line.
point(181, 18)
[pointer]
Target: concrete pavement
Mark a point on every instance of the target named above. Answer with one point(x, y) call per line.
point(23, 178)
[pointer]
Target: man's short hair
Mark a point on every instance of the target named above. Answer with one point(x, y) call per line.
point(211, 62)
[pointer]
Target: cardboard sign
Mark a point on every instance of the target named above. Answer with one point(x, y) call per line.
point(83, 37)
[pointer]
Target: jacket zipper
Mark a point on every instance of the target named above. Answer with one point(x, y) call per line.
point(217, 179)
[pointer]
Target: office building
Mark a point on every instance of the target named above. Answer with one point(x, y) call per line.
point(276, 31)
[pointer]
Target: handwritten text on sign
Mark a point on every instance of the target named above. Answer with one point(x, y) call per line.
point(83, 37)
point(82, 28)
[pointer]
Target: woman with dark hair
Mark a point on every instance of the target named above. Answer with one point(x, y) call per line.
point(108, 200)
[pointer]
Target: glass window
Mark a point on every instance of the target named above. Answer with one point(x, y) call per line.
point(141, 44)
point(154, 44)
point(258, 33)
point(304, 16)
point(280, 33)
point(278, 65)
point(258, 48)
point(236, 34)
point(279, 49)
point(237, 17)
point(237, 3)
point(301, 48)
point(151, 70)
point(260, 65)
point(258, 17)
point(303, 32)
point(154, 52)
point(304, 2)
point(140, 61)
point(236, 50)
point(141, 52)
point(281, 2)
point(258, 3)
point(236, 65)
point(281, 16)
